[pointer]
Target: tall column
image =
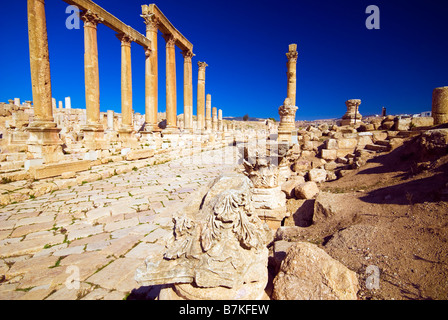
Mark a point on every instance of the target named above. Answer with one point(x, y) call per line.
point(151, 78)
point(171, 96)
point(292, 73)
point(208, 113)
point(126, 83)
point(44, 139)
point(92, 77)
point(201, 96)
point(188, 90)
point(40, 63)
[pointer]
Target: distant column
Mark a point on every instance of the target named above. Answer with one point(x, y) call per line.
point(171, 96)
point(292, 73)
point(208, 113)
point(126, 82)
point(92, 77)
point(151, 102)
point(188, 90)
point(110, 120)
point(215, 120)
point(220, 123)
point(201, 96)
point(61, 105)
point(68, 103)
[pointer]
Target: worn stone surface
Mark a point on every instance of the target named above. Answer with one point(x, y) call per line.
point(309, 273)
point(306, 190)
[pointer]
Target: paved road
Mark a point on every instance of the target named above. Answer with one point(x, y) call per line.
point(87, 241)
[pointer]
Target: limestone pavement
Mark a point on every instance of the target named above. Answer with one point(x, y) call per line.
point(86, 241)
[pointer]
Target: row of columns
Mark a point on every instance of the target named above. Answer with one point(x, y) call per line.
point(41, 80)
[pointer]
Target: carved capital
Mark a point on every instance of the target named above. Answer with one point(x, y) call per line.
point(90, 19)
point(188, 54)
point(125, 39)
point(292, 56)
point(202, 65)
point(170, 40)
point(151, 21)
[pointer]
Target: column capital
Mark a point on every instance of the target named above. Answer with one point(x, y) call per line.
point(292, 54)
point(202, 65)
point(90, 19)
point(188, 54)
point(151, 21)
point(170, 40)
point(125, 39)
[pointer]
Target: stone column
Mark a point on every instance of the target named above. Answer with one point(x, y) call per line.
point(171, 96)
point(215, 120)
point(92, 77)
point(188, 91)
point(440, 105)
point(292, 73)
point(61, 105)
point(151, 78)
point(68, 103)
point(110, 120)
point(201, 96)
point(208, 113)
point(126, 82)
point(53, 103)
point(352, 114)
point(44, 139)
point(220, 123)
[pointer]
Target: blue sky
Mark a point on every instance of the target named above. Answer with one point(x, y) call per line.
point(244, 43)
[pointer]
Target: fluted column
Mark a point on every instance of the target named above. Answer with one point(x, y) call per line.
point(151, 78)
point(171, 96)
point(292, 73)
point(201, 96)
point(126, 82)
point(91, 70)
point(208, 113)
point(188, 91)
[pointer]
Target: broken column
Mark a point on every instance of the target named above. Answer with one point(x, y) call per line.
point(292, 73)
point(352, 116)
point(440, 105)
point(215, 119)
point(44, 141)
point(201, 96)
point(220, 123)
point(68, 103)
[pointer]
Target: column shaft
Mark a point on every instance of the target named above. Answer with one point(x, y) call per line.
point(188, 91)
point(292, 73)
point(171, 96)
point(208, 112)
point(92, 78)
point(126, 82)
point(39, 62)
point(201, 96)
point(151, 78)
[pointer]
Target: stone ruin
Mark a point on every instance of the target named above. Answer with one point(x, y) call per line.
point(218, 248)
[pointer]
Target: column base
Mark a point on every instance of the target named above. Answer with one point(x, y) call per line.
point(154, 139)
point(127, 138)
point(284, 136)
point(44, 141)
point(94, 138)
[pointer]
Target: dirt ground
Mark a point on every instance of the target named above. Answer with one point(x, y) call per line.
point(392, 215)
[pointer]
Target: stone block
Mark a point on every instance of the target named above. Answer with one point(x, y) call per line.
point(403, 124)
point(349, 143)
point(289, 186)
point(54, 170)
point(306, 190)
point(91, 155)
point(317, 175)
point(331, 144)
point(140, 154)
point(329, 154)
point(422, 122)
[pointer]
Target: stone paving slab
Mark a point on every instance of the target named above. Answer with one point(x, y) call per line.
point(86, 241)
